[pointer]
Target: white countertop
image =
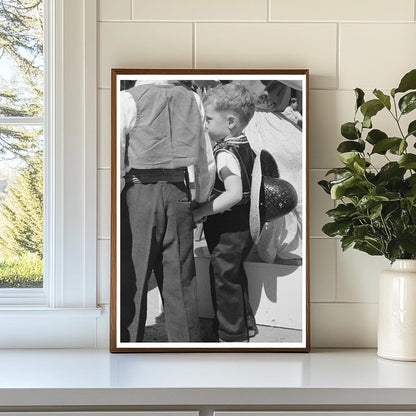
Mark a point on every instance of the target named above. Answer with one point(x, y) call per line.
point(96, 377)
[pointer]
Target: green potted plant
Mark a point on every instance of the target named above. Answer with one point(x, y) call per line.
point(376, 209)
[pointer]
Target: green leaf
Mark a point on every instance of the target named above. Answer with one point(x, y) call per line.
point(368, 201)
point(385, 99)
point(368, 248)
point(349, 131)
point(393, 250)
point(349, 146)
point(338, 171)
point(391, 170)
point(338, 189)
point(342, 211)
point(412, 179)
point(383, 145)
point(346, 242)
point(348, 158)
point(411, 130)
point(375, 136)
point(371, 108)
point(359, 232)
point(336, 228)
point(375, 211)
point(359, 95)
point(367, 122)
point(407, 240)
point(359, 165)
point(402, 147)
point(398, 149)
point(325, 186)
point(408, 161)
point(408, 82)
point(408, 102)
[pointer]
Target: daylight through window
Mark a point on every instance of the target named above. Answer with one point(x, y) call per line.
point(21, 143)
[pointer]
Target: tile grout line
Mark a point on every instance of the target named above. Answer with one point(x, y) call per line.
point(194, 63)
point(225, 21)
point(131, 10)
point(269, 10)
point(338, 66)
point(336, 271)
point(355, 302)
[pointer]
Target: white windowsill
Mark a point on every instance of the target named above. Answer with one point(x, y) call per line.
point(334, 378)
point(35, 311)
point(40, 327)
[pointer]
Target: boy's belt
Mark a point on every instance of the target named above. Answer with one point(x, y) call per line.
point(156, 175)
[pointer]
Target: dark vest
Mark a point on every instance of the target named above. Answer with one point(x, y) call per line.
point(240, 148)
point(168, 129)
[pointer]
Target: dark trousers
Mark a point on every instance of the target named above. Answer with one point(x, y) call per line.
point(229, 243)
point(157, 235)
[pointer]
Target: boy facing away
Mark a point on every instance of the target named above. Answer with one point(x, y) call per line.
point(228, 110)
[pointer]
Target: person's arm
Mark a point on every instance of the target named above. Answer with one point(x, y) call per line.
point(127, 120)
point(204, 171)
point(287, 111)
point(232, 195)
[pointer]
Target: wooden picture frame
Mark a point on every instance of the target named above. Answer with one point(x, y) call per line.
point(168, 109)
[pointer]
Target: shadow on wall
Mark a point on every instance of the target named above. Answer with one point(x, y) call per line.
point(275, 292)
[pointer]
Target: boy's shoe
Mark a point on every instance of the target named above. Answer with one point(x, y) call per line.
point(252, 332)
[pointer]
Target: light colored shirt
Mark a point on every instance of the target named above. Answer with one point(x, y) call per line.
point(292, 115)
point(227, 159)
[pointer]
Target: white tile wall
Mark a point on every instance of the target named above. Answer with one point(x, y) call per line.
point(200, 10)
point(357, 275)
point(339, 325)
point(328, 110)
point(369, 10)
point(114, 10)
point(376, 55)
point(345, 44)
point(104, 202)
point(142, 45)
point(284, 45)
point(104, 128)
point(103, 270)
point(323, 269)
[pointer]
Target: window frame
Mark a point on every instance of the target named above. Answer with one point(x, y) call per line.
point(67, 303)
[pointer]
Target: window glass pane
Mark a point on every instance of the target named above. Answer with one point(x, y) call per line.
point(21, 58)
point(21, 207)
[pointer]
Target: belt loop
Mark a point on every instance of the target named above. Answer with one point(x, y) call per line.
point(188, 184)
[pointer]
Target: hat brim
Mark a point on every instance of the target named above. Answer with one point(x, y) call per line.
point(265, 169)
point(256, 180)
point(264, 165)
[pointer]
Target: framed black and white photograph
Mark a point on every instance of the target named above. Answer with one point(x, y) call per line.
point(209, 211)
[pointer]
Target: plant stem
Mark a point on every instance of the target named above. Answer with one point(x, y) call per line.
point(396, 119)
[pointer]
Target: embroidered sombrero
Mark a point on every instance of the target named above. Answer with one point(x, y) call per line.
point(271, 196)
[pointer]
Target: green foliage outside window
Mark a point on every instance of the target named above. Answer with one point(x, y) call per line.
point(21, 147)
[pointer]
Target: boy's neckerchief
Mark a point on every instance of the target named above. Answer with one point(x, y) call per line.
point(242, 139)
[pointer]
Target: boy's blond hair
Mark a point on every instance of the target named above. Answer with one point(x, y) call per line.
point(232, 97)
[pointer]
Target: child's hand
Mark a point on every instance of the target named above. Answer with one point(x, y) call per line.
point(199, 217)
point(195, 204)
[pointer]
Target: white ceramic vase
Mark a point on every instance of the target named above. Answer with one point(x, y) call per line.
point(397, 312)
